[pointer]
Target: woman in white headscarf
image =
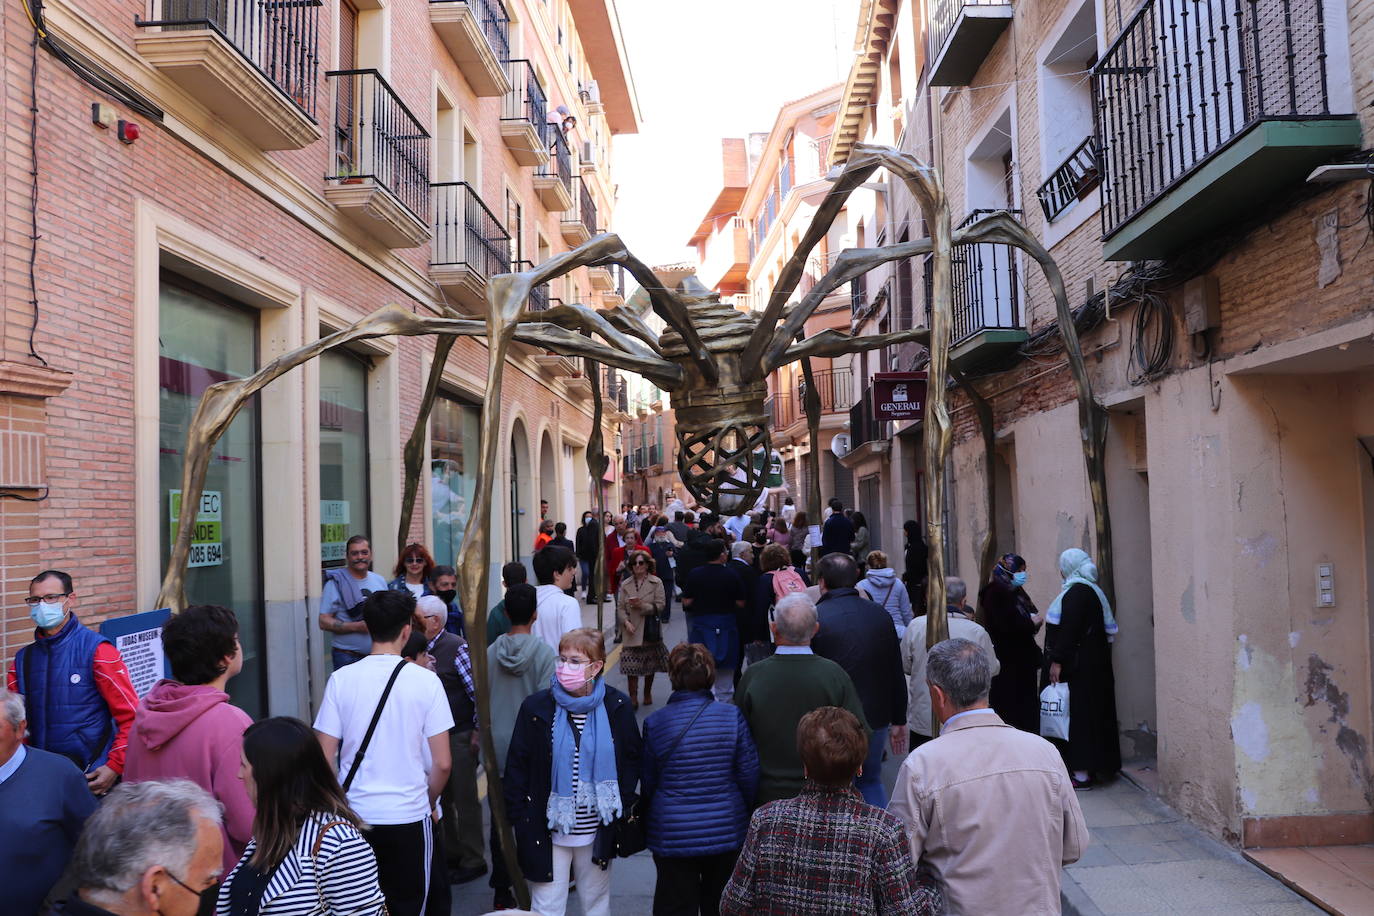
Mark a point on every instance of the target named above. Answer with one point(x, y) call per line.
point(1078, 634)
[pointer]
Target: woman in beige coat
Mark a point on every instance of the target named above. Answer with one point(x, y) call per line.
point(640, 597)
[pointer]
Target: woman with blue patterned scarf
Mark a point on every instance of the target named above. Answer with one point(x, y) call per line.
point(571, 775)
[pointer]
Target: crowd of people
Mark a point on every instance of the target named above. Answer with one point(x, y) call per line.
point(757, 786)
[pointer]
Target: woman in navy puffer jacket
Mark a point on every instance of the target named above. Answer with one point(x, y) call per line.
point(700, 773)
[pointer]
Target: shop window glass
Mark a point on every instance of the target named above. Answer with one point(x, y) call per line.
point(344, 495)
point(203, 339)
point(454, 442)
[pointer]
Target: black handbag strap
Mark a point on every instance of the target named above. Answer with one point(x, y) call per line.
point(684, 732)
point(372, 726)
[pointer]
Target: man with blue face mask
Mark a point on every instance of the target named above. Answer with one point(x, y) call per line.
point(77, 692)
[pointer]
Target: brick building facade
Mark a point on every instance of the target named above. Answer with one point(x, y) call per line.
point(397, 154)
point(1223, 303)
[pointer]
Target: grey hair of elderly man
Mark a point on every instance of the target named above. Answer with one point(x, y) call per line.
point(956, 590)
point(14, 709)
point(794, 620)
point(152, 847)
point(739, 549)
point(960, 676)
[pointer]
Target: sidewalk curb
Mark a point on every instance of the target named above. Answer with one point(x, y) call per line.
point(1073, 900)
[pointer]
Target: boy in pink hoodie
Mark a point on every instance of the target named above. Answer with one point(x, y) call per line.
point(186, 727)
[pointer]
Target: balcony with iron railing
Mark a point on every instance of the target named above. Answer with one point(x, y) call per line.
point(255, 64)
point(615, 295)
point(524, 112)
point(553, 179)
point(477, 35)
point(781, 408)
point(1071, 182)
point(986, 320)
point(380, 178)
point(858, 294)
point(961, 33)
point(578, 224)
point(833, 386)
point(539, 295)
point(470, 244)
point(863, 426)
point(1205, 111)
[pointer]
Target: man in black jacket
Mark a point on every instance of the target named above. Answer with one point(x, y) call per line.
point(589, 537)
point(858, 635)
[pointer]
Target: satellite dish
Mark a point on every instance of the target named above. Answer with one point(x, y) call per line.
point(840, 445)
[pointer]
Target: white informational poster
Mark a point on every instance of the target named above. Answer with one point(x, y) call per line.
point(207, 542)
point(138, 638)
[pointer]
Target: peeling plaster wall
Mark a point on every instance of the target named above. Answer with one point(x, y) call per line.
point(1303, 669)
point(1264, 698)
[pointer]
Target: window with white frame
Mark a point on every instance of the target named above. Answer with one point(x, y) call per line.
point(1067, 152)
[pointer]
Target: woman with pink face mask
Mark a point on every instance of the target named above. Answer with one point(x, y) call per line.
point(571, 775)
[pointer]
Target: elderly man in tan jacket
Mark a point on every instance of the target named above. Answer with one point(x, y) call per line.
point(989, 809)
point(961, 625)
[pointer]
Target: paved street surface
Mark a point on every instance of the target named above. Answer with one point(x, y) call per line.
point(1145, 858)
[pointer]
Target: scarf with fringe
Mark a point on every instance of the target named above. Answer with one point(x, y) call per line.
point(596, 756)
point(1077, 568)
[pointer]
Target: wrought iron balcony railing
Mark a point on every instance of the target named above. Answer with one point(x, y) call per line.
point(495, 22)
point(1185, 78)
point(280, 38)
point(834, 386)
point(559, 164)
point(584, 207)
point(655, 455)
point(858, 294)
point(944, 15)
point(466, 232)
point(986, 286)
point(376, 137)
point(862, 426)
point(1072, 181)
point(526, 100)
point(539, 295)
point(781, 408)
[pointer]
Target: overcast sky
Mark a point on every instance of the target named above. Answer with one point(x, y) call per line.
point(707, 70)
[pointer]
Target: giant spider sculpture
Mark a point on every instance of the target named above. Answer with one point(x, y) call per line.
point(713, 361)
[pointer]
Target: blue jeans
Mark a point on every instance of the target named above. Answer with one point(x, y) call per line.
point(586, 569)
point(870, 782)
point(343, 657)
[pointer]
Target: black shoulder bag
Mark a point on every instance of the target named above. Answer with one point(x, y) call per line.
point(632, 831)
point(372, 727)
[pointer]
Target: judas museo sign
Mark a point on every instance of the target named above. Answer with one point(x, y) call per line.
point(899, 395)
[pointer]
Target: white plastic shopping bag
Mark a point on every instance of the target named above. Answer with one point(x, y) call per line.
point(1054, 712)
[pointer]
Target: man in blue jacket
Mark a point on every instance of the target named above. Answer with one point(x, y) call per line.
point(858, 635)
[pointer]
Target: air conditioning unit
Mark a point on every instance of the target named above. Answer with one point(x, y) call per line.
point(588, 153)
point(585, 95)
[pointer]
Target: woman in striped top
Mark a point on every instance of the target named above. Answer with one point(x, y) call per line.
point(307, 855)
point(571, 774)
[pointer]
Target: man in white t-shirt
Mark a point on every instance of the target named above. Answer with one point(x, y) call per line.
point(554, 569)
point(396, 783)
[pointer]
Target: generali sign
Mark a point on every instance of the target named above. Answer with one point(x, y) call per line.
point(899, 395)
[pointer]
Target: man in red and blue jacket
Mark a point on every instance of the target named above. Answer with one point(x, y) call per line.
point(77, 692)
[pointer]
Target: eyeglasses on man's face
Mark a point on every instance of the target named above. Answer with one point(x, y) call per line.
point(33, 600)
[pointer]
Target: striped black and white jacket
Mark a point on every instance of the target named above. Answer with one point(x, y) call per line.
point(340, 881)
